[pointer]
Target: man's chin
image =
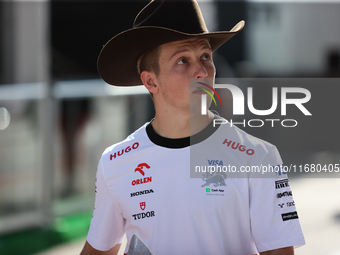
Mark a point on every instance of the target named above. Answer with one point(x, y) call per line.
point(195, 109)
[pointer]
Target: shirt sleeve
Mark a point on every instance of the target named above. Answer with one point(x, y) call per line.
point(273, 214)
point(107, 225)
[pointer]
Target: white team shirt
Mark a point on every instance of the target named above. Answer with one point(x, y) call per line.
point(157, 188)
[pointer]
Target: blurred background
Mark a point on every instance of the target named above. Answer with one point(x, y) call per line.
point(63, 116)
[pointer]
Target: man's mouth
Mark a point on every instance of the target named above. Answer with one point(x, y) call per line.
point(207, 89)
point(201, 91)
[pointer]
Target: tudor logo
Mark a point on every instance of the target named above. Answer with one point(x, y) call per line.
point(143, 215)
point(142, 205)
point(140, 167)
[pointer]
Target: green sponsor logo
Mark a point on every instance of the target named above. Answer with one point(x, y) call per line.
point(207, 190)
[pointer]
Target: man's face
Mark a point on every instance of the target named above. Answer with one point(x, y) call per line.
point(179, 62)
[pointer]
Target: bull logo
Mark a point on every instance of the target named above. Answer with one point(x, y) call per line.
point(142, 205)
point(216, 180)
point(140, 167)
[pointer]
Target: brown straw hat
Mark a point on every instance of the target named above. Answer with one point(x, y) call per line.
point(159, 22)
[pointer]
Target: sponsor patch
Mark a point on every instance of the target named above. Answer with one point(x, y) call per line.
point(140, 167)
point(215, 180)
point(142, 205)
point(143, 215)
point(238, 146)
point(140, 170)
point(289, 204)
point(142, 192)
point(289, 216)
point(280, 170)
point(284, 194)
point(126, 150)
point(214, 162)
point(281, 184)
point(141, 181)
point(138, 216)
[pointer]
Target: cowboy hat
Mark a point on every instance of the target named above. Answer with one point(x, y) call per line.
point(159, 22)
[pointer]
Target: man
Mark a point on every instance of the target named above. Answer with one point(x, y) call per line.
point(144, 186)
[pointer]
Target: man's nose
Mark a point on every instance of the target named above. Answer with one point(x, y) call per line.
point(200, 70)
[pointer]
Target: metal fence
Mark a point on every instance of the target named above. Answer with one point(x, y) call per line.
point(50, 150)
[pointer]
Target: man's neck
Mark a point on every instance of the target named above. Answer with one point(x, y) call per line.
point(180, 126)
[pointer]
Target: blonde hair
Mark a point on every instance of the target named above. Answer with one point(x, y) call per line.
point(149, 61)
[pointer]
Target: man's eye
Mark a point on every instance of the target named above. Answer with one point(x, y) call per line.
point(206, 57)
point(182, 61)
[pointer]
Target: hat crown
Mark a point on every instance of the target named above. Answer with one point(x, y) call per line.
point(180, 15)
point(160, 22)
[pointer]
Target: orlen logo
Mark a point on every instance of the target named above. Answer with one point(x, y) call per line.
point(126, 150)
point(140, 167)
point(241, 148)
point(141, 180)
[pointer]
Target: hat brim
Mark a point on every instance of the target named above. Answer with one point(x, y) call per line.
point(117, 61)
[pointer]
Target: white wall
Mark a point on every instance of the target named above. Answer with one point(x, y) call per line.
point(285, 38)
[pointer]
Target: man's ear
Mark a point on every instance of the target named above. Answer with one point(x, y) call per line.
point(149, 80)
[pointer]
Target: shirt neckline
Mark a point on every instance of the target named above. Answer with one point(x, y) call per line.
point(178, 143)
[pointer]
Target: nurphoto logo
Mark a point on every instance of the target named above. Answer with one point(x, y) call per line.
point(239, 104)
